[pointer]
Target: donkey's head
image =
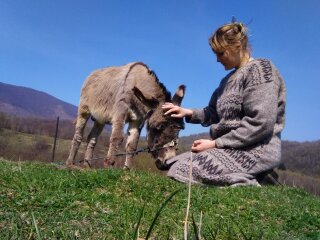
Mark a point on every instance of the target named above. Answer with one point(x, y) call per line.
point(163, 131)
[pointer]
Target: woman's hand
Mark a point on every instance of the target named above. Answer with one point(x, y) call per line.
point(177, 112)
point(202, 144)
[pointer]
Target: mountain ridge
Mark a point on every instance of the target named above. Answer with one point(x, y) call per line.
point(28, 102)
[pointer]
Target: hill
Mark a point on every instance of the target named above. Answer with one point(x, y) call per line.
point(42, 202)
point(27, 102)
point(303, 157)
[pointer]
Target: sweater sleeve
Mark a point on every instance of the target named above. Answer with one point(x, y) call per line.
point(207, 115)
point(260, 102)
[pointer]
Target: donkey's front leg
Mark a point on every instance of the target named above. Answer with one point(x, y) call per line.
point(134, 130)
point(116, 140)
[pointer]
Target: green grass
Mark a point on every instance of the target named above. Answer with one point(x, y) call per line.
point(16, 145)
point(39, 201)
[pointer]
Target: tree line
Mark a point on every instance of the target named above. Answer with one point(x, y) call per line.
point(37, 126)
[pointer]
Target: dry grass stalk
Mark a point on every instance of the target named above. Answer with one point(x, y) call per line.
point(189, 198)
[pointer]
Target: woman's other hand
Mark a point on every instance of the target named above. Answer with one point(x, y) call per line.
point(176, 111)
point(202, 144)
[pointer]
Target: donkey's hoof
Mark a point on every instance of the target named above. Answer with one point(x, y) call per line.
point(108, 164)
point(126, 168)
point(86, 164)
point(73, 167)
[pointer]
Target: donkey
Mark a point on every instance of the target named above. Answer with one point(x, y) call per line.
point(129, 94)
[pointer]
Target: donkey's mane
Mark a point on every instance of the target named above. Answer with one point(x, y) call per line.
point(162, 86)
point(166, 93)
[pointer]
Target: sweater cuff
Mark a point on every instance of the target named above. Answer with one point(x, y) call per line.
point(219, 143)
point(196, 117)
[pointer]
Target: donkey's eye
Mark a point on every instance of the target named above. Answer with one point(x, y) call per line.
point(160, 127)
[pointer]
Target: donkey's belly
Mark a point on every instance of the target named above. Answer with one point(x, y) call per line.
point(100, 117)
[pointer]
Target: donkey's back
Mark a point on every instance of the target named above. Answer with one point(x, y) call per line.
point(104, 89)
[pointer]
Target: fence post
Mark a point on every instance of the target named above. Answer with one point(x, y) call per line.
point(55, 140)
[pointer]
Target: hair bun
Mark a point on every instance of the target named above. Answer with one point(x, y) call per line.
point(230, 36)
point(237, 27)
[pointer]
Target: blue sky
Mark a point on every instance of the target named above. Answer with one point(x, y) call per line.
point(52, 46)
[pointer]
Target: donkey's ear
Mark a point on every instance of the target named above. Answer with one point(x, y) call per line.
point(146, 99)
point(178, 96)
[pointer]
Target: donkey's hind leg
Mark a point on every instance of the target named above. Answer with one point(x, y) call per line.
point(77, 138)
point(92, 141)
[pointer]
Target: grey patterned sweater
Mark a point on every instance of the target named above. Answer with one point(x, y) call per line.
point(247, 107)
point(246, 115)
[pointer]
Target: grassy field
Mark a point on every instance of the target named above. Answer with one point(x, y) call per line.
point(40, 201)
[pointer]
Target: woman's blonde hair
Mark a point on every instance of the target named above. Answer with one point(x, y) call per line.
point(231, 36)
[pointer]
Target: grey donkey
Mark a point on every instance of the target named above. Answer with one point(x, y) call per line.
point(129, 94)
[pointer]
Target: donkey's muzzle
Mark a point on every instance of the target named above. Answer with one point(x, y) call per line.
point(163, 166)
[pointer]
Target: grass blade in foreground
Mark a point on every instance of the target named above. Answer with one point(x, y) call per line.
point(135, 235)
point(36, 226)
point(159, 211)
point(195, 229)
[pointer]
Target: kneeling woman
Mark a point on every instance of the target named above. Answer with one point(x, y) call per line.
point(246, 115)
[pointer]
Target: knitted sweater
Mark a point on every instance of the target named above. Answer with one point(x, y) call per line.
point(248, 107)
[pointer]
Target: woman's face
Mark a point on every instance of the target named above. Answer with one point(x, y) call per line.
point(229, 58)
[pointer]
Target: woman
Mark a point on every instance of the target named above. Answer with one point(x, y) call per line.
point(246, 114)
